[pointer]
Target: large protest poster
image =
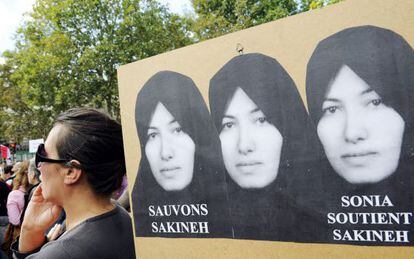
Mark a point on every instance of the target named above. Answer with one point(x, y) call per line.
point(224, 161)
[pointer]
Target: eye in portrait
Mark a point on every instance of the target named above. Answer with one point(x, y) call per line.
point(266, 141)
point(359, 87)
point(180, 188)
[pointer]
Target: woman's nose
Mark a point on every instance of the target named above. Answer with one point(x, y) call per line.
point(245, 142)
point(355, 128)
point(166, 151)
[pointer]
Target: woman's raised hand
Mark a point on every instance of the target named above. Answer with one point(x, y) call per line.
point(40, 215)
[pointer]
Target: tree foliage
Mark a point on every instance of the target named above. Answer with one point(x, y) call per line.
point(68, 51)
point(15, 115)
point(218, 17)
point(306, 5)
point(67, 54)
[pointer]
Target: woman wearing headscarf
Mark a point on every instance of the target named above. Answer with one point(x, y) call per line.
point(180, 187)
point(267, 143)
point(359, 86)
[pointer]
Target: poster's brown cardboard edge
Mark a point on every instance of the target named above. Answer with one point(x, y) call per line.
point(281, 44)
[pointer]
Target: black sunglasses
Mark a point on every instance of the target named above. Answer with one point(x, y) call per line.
point(41, 156)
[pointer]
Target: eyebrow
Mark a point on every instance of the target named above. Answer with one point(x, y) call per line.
point(233, 117)
point(366, 91)
point(369, 90)
point(169, 123)
point(255, 110)
point(331, 100)
point(228, 116)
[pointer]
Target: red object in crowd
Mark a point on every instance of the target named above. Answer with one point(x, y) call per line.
point(4, 151)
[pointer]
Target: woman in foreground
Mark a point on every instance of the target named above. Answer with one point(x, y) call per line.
point(81, 164)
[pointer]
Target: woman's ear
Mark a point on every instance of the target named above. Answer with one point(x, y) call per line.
point(73, 173)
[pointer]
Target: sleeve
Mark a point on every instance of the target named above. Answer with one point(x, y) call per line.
point(51, 250)
point(15, 249)
point(13, 211)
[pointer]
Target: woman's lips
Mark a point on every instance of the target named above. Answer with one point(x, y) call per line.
point(359, 154)
point(359, 158)
point(248, 167)
point(169, 172)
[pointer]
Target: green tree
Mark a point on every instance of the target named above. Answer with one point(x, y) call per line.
point(16, 116)
point(218, 17)
point(68, 51)
point(306, 5)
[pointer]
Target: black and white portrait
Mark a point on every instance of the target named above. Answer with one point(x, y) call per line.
point(360, 90)
point(180, 189)
point(266, 141)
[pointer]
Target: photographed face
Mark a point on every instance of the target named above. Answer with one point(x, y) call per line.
point(360, 134)
point(170, 151)
point(251, 145)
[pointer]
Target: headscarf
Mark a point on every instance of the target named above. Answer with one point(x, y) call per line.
point(385, 61)
point(182, 99)
point(270, 87)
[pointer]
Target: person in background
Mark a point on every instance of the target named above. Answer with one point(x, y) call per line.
point(122, 194)
point(34, 178)
point(123, 200)
point(34, 181)
point(16, 167)
point(13, 170)
point(4, 193)
point(117, 194)
point(15, 200)
point(15, 205)
point(7, 176)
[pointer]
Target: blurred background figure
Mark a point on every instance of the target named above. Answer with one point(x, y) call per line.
point(6, 176)
point(15, 204)
point(33, 177)
point(5, 173)
point(122, 196)
point(13, 170)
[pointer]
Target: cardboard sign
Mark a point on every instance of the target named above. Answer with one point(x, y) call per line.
point(301, 146)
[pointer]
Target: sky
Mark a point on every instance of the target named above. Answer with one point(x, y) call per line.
point(12, 15)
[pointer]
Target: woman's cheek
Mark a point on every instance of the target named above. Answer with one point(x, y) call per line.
point(152, 150)
point(227, 139)
point(186, 143)
point(329, 131)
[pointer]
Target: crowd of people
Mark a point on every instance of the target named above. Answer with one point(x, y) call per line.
point(71, 199)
